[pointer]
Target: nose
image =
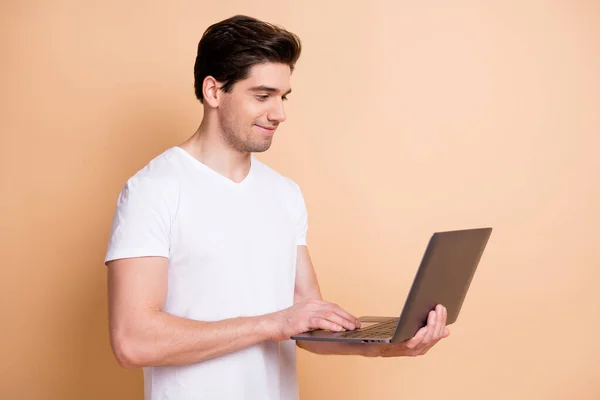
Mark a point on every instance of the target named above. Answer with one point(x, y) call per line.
point(277, 113)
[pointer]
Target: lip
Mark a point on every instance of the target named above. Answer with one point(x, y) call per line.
point(266, 131)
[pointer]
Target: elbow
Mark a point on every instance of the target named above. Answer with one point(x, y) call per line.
point(128, 351)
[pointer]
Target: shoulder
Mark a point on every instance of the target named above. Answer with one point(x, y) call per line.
point(155, 181)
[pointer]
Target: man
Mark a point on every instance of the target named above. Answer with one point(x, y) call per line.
point(208, 270)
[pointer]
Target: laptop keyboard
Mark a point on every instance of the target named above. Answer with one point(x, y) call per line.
point(383, 330)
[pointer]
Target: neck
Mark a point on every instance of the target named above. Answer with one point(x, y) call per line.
point(209, 147)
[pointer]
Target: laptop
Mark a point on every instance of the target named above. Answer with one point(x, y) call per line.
point(443, 277)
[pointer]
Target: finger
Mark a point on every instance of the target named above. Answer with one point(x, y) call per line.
point(344, 314)
point(444, 321)
point(325, 324)
point(417, 339)
point(430, 327)
point(439, 322)
point(445, 315)
point(445, 332)
point(332, 307)
point(332, 316)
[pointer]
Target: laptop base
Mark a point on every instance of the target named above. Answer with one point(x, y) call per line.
point(366, 322)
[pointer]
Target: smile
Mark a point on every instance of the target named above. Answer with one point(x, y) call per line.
point(266, 131)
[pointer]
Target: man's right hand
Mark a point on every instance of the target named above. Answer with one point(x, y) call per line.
point(308, 315)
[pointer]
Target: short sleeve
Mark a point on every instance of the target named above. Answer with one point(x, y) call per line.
point(302, 219)
point(141, 222)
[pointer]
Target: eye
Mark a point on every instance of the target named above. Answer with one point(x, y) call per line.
point(262, 97)
point(284, 98)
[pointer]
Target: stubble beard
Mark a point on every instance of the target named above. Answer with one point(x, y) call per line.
point(244, 143)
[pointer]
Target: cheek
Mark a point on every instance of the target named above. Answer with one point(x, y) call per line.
point(253, 111)
point(242, 114)
point(231, 115)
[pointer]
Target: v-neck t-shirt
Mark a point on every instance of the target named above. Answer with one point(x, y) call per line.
point(231, 250)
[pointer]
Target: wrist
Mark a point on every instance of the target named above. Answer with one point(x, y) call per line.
point(267, 327)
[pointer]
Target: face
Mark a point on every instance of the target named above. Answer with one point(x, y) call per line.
point(251, 112)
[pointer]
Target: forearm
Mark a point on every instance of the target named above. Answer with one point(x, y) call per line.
point(165, 339)
point(336, 348)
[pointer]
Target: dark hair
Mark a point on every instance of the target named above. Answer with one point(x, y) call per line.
point(230, 48)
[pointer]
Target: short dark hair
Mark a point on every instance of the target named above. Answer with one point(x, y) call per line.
point(230, 48)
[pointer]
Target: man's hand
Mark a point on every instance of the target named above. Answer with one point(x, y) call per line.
point(310, 314)
point(424, 339)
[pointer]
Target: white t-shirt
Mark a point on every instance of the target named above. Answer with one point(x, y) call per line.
point(232, 252)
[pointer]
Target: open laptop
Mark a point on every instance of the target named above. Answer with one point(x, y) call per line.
point(443, 277)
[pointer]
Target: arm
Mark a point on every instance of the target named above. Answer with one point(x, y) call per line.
point(142, 334)
point(307, 287)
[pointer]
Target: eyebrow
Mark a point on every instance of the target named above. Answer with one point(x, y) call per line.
point(263, 88)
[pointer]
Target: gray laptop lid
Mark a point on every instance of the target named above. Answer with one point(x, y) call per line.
point(444, 276)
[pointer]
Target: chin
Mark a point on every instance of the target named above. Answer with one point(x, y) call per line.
point(262, 149)
point(258, 146)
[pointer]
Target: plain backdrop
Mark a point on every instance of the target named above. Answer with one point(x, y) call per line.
point(406, 118)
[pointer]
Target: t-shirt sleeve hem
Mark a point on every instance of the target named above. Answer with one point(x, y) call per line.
point(131, 253)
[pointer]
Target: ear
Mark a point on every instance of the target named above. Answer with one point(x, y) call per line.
point(211, 92)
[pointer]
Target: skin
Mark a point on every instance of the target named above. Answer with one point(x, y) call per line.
point(235, 124)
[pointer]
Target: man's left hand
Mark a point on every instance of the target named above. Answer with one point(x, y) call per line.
point(424, 339)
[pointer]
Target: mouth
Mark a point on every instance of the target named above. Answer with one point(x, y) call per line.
point(268, 131)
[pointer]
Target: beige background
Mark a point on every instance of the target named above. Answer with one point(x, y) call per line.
point(406, 118)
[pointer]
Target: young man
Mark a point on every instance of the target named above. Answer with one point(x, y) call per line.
point(208, 270)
